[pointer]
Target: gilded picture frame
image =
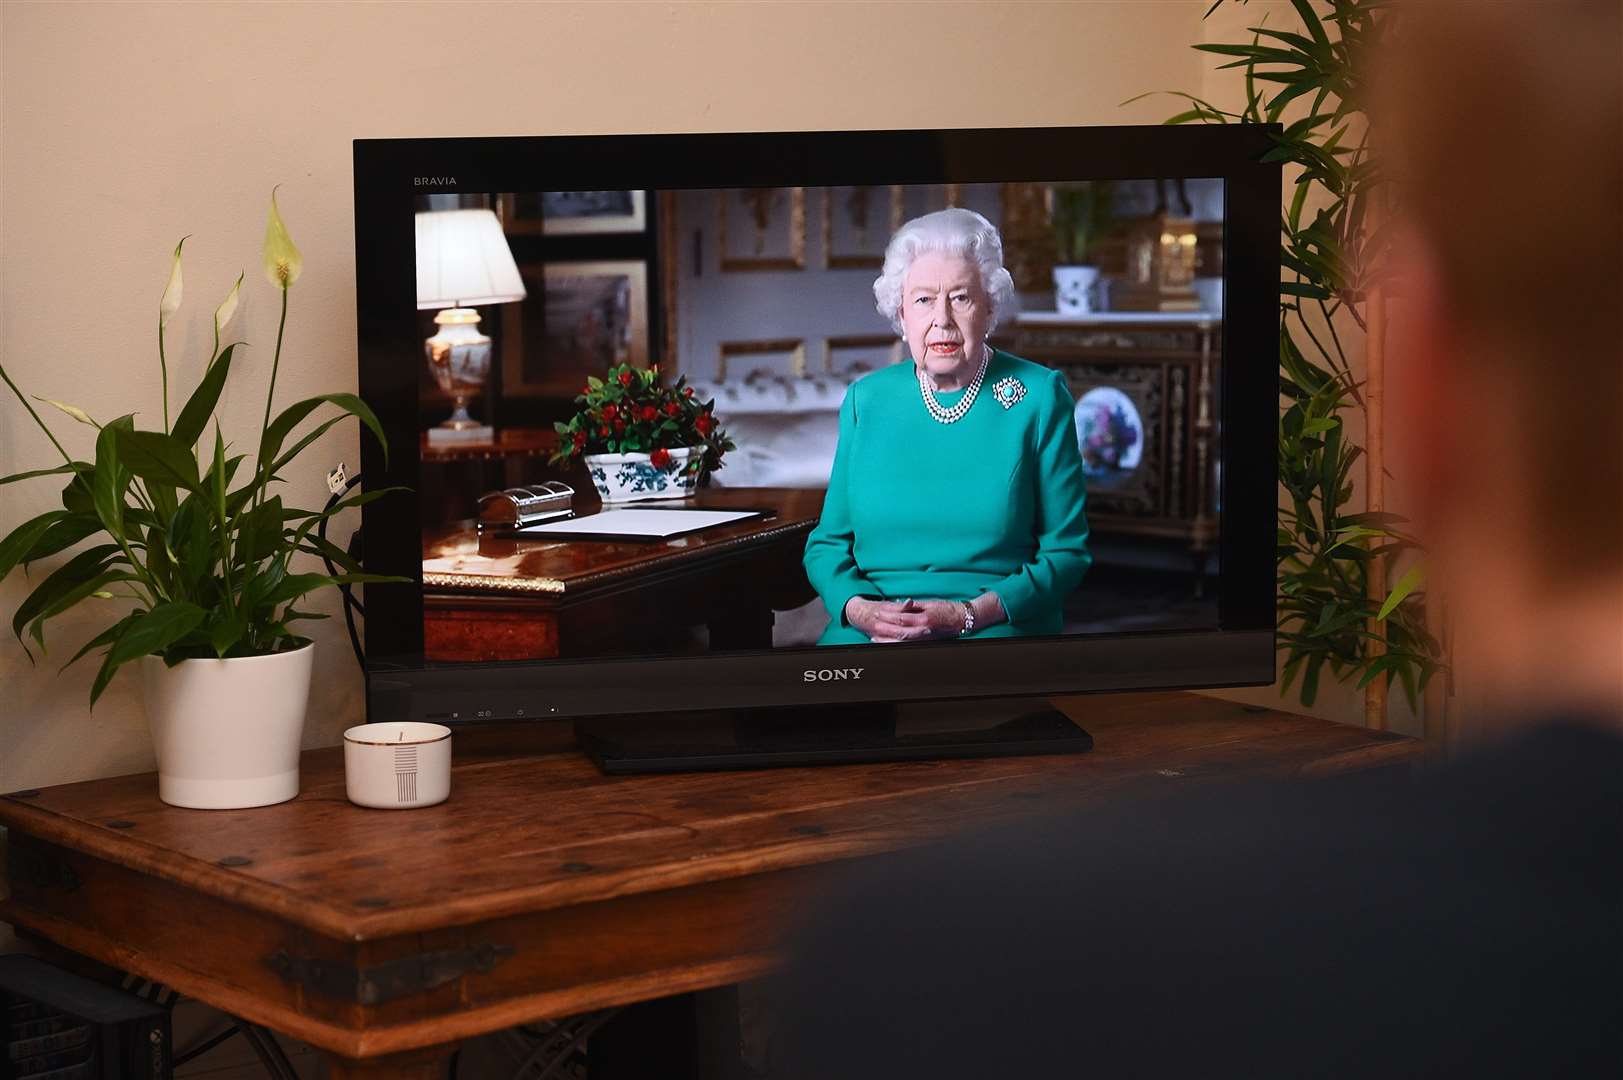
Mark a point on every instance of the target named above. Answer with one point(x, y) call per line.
point(580, 319)
point(777, 238)
point(730, 353)
point(574, 213)
point(854, 233)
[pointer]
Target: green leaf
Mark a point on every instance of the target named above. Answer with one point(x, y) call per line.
point(152, 455)
point(1264, 54)
point(62, 535)
point(1310, 19)
point(1374, 518)
point(163, 500)
point(256, 588)
point(76, 497)
point(200, 406)
point(1310, 49)
point(106, 637)
point(153, 631)
point(69, 598)
point(103, 676)
point(226, 628)
point(76, 467)
point(1406, 585)
point(1310, 679)
point(260, 533)
point(21, 540)
point(83, 566)
point(317, 546)
point(293, 586)
point(291, 416)
point(158, 563)
point(298, 448)
point(312, 519)
point(1348, 536)
point(111, 477)
point(1191, 114)
point(1298, 200)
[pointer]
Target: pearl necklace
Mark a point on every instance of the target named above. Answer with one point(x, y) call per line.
point(956, 413)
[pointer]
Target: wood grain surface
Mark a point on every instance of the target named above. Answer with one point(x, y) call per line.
point(582, 890)
point(459, 558)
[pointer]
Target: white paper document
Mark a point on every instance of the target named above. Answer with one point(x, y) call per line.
point(643, 524)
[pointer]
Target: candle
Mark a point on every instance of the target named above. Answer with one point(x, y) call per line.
point(397, 766)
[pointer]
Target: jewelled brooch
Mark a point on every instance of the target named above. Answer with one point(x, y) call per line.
point(1008, 391)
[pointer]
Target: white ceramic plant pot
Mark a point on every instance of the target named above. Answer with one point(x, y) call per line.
point(629, 477)
point(227, 732)
point(1073, 289)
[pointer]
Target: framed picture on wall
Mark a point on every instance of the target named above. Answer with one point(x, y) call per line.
point(784, 357)
point(762, 228)
point(574, 213)
point(580, 319)
point(857, 224)
point(853, 354)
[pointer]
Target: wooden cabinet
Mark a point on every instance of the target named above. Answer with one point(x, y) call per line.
point(1146, 388)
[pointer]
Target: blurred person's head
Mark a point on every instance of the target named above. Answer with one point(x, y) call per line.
point(1503, 125)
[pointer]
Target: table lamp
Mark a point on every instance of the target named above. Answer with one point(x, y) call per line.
point(462, 260)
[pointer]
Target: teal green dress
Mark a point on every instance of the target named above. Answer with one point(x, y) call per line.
point(991, 503)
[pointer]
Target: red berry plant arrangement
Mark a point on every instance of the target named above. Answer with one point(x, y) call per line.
point(630, 412)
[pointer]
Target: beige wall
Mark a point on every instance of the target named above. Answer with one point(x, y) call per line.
point(127, 125)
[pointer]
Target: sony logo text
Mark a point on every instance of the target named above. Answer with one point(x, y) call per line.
point(831, 674)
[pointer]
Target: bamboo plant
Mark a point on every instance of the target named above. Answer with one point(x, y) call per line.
point(178, 525)
point(1331, 258)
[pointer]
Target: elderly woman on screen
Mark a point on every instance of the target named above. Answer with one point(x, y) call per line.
point(955, 505)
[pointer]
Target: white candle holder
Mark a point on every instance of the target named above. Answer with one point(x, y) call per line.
point(397, 766)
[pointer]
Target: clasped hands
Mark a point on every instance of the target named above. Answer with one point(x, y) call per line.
point(905, 620)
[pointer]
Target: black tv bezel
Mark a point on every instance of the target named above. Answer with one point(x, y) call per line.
point(389, 174)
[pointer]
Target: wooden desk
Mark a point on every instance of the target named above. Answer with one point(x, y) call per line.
point(543, 889)
point(513, 599)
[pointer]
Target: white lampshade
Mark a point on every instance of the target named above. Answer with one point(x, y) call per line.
point(463, 260)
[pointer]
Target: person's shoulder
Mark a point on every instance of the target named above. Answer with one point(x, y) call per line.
point(879, 383)
point(897, 374)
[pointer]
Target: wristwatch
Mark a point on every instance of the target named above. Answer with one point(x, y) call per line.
point(969, 621)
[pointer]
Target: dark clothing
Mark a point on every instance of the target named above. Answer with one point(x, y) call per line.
point(1466, 921)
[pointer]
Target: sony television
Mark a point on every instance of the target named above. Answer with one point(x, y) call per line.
point(753, 448)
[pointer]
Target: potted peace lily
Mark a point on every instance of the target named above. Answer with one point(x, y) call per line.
point(641, 439)
point(186, 540)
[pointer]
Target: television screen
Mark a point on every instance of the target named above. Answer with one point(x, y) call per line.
point(974, 397)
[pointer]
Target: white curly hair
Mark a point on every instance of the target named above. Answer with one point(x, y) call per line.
point(955, 231)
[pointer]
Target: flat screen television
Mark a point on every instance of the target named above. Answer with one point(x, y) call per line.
point(671, 470)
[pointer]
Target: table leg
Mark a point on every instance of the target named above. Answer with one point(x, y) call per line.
point(429, 1063)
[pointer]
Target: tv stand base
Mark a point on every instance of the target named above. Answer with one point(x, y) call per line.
point(828, 735)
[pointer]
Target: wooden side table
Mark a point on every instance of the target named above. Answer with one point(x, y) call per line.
point(542, 888)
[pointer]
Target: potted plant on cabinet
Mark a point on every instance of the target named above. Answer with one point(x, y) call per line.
point(641, 439)
point(1081, 213)
point(190, 533)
